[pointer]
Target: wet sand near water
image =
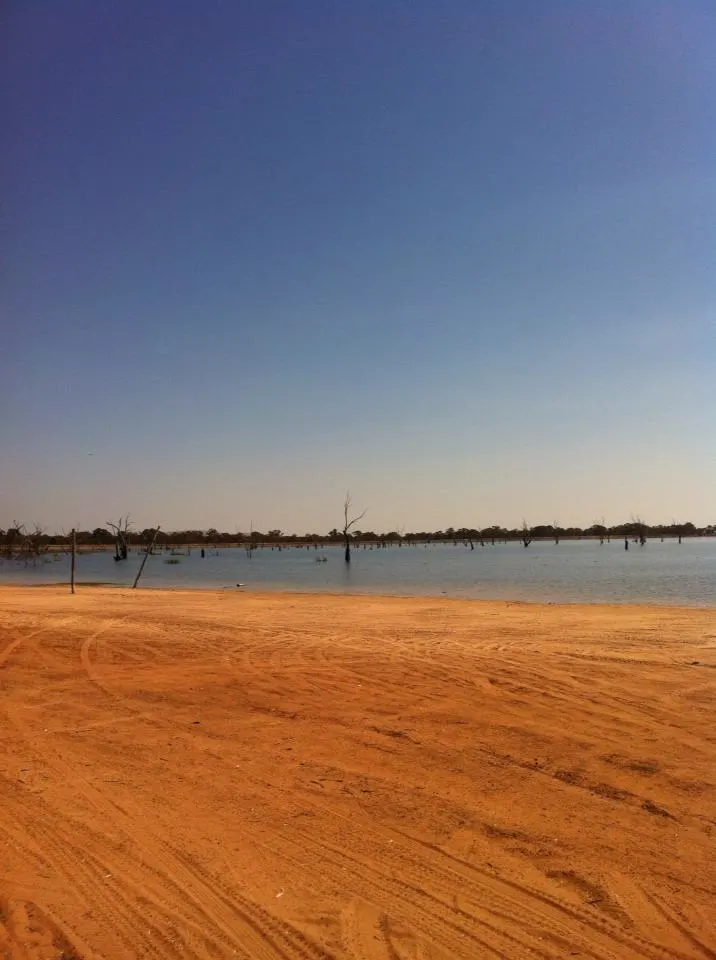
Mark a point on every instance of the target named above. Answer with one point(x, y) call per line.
point(291, 777)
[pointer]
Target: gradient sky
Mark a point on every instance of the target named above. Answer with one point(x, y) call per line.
point(457, 257)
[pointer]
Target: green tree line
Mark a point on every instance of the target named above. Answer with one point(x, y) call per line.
point(17, 539)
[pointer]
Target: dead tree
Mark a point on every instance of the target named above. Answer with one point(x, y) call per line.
point(348, 524)
point(602, 532)
point(21, 544)
point(640, 530)
point(121, 536)
point(73, 547)
point(144, 558)
point(526, 535)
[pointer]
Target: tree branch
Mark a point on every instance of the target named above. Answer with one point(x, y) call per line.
point(355, 520)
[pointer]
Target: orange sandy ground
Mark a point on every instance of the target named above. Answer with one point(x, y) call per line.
point(195, 774)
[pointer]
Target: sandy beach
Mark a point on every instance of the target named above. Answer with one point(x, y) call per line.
point(214, 775)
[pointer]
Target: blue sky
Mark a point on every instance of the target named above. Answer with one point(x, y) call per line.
point(456, 257)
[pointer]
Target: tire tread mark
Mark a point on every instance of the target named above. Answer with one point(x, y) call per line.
point(601, 925)
point(432, 917)
point(668, 915)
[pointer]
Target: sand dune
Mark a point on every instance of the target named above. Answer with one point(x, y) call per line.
point(275, 777)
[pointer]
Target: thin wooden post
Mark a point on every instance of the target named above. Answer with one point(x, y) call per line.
point(144, 559)
point(72, 562)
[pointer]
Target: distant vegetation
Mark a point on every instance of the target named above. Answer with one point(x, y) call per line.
point(18, 541)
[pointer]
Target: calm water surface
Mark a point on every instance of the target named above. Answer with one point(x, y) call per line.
point(573, 571)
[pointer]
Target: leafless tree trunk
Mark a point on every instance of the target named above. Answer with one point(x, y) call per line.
point(526, 534)
point(144, 559)
point(73, 547)
point(251, 545)
point(640, 529)
point(348, 524)
point(21, 545)
point(121, 536)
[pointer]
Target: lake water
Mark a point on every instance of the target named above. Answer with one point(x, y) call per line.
point(572, 571)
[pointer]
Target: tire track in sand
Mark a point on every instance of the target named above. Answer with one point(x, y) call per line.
point(237, 922)
point(6, 653)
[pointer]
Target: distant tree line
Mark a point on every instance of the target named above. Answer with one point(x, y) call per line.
point(19, 541)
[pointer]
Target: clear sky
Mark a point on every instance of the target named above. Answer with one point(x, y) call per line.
point(455, 256)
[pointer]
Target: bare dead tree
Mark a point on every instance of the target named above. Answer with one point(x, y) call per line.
point(121, 531)
point(348, 524)
point(144, 559)
point(526, 535)
point(640, 529)
point(602, 532)
point(22, 544)
point(73, 547)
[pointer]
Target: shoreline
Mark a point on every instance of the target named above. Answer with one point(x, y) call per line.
point(63, 588)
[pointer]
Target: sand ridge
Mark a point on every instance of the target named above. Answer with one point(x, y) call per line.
point(216, 774)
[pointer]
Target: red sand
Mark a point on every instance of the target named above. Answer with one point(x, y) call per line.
point(191, 774)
